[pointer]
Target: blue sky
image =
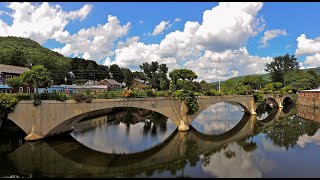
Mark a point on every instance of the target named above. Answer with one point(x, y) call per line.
point(193, 35)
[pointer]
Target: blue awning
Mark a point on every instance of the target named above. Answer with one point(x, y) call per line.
point(5, 87)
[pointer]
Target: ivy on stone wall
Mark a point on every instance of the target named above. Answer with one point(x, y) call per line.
point(190, 98)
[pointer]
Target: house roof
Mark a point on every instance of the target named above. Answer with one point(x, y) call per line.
point(141, 81)
point(80, 86)
point(112, 81)
point(13, 69)
point(92, 82)
point(311, 90)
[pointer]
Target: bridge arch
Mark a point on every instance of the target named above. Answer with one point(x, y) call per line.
point(68, 124)
point(270, 101)
point(246, 102)
point(287, 100)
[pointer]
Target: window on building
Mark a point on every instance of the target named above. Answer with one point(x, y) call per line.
point(8, 77)
point(28, 89)
point(20, 89)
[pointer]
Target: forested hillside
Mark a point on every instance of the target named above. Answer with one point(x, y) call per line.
point(23, 52)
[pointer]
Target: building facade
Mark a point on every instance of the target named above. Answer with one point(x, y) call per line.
point(7, 72)
point(139, 83)
point(73, 89)
point(111, 83)
point(309, 98)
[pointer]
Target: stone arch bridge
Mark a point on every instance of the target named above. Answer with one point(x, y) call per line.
point(64, 151)
point(54, 117)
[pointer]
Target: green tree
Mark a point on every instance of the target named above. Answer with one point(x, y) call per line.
point(299, 80)
point(164, 84)
point(156, 74)
point(17, 58)
point(139, 75)
point(280, 66)
point(272, 87)
point(3, 58)
point(15, 82)
point(315, 80)
point(116, 73)
point(229, 87)
point(255, 82)
point(127, 76)
point(205, 86)
point(154, 67)
point(146, 68)
point(163, 69)
point(182, 75)
point(38, 76)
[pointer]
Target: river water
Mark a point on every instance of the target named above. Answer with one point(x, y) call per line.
point(130, 142)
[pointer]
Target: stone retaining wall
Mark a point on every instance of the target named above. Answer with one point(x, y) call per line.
point(309, 98)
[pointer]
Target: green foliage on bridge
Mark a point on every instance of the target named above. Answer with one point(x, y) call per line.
point(7, 103)
point(190, 100)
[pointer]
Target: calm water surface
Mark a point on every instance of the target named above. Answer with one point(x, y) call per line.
point(130, 142)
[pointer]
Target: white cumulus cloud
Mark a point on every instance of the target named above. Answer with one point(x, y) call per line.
point(312, 61)
point(161, 27)
point(95, 42)
point(307, 46)
point(228, 26)
point(271, 34)
point(310, 47)
point(39, 22)
point(224, 29)
point(233, 63)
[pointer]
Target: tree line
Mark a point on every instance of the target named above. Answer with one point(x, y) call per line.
point(284, 72)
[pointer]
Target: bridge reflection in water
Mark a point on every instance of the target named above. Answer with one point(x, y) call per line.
point(65, 157)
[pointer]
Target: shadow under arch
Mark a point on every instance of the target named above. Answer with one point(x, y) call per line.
point(270, 100)
point(11, 137)
point(101, 158)
point(287, 108)
point(221, 137)
point(68, 125)
point(273, 113)
point(287, 101)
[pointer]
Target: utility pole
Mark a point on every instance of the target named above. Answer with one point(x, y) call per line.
point(219, 62)
point(219, 69)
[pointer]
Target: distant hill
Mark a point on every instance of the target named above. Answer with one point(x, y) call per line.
point(34, 53)
point(266, 77)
